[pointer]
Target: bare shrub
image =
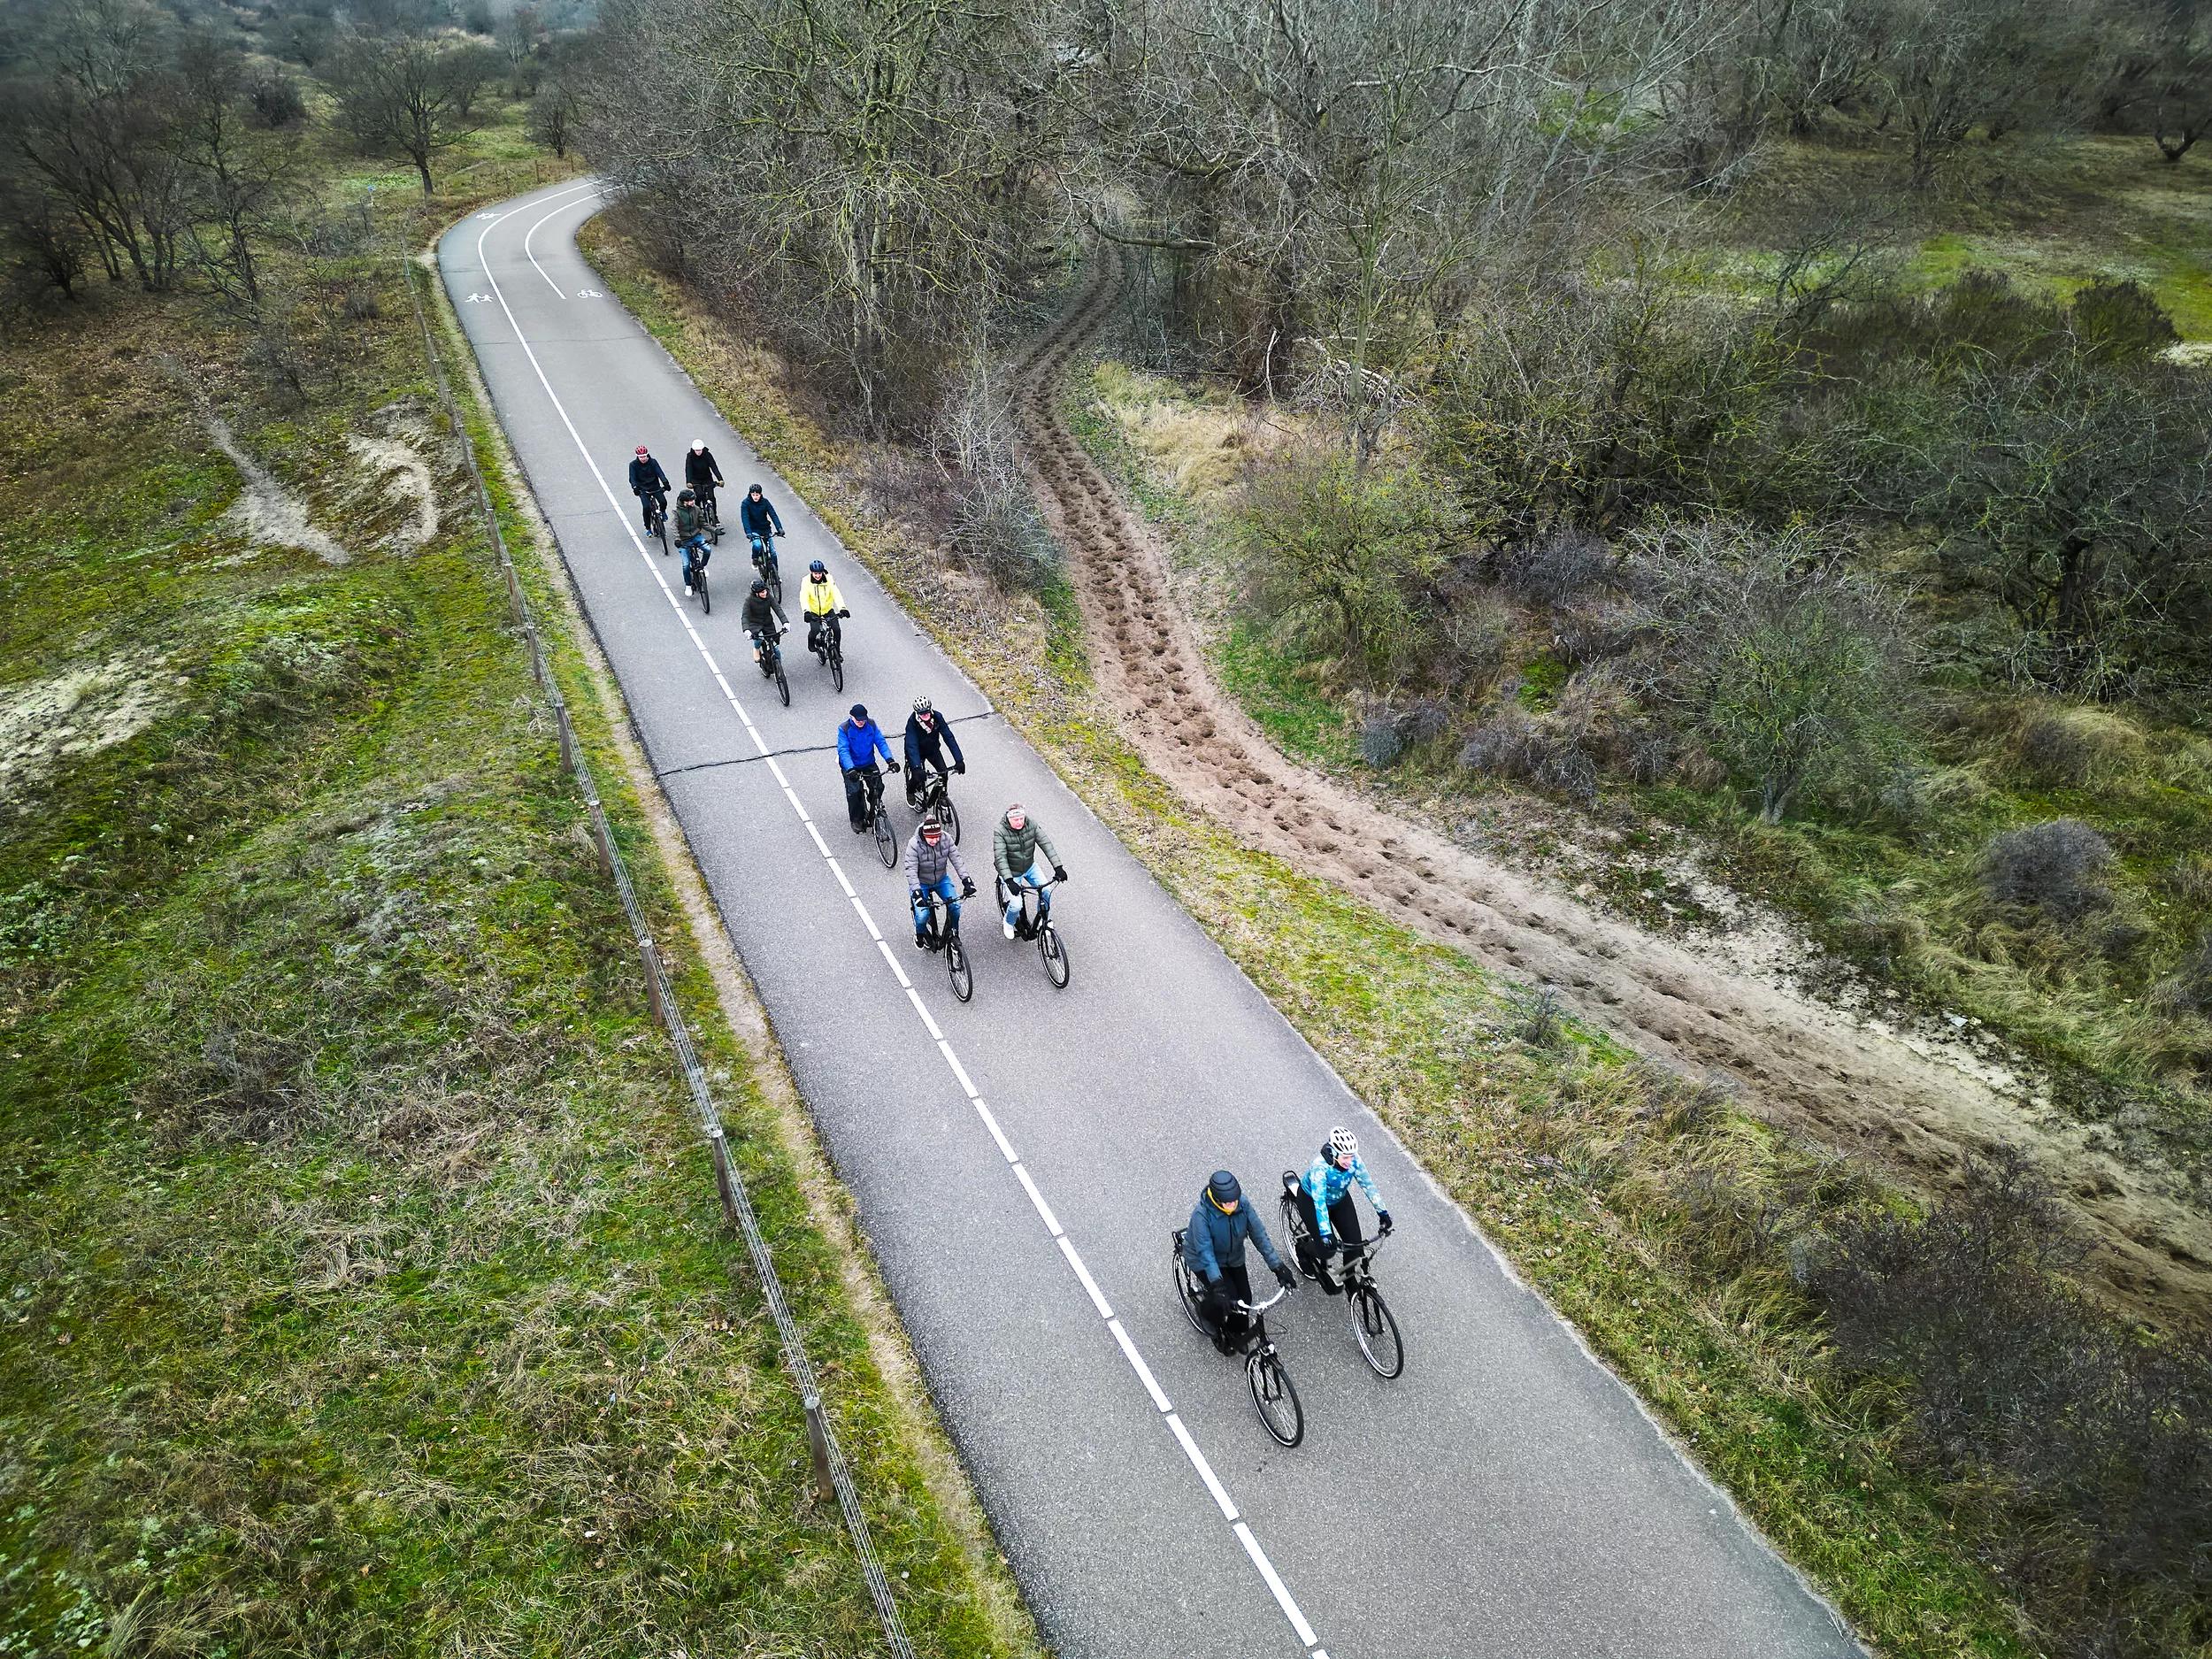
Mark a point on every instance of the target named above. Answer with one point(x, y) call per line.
point(2055, 869)
point(1564, 568)
point(994, 520)
point(2188, 989)
point(1512, 743)
point(1478, 632)
point(1380, 742)
point(2095, 1445)
point(2077, 746)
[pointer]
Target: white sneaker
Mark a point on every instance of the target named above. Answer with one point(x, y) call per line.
point(1006, 927)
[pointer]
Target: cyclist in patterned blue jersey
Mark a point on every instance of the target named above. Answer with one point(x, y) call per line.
point(1325, 1203)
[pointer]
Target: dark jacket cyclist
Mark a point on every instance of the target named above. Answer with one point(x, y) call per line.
point(700, 471)
point(928, 737)
point(758, 515)
point(1221, 1223)
point(647, 482)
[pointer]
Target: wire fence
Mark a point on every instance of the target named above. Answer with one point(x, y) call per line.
point(833, 1472)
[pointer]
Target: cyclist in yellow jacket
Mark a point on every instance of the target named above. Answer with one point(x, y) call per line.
point(820, 600)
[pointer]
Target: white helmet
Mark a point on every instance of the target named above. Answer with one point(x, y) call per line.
point(1343, 1143)
point(921, 705)
point(699, 444)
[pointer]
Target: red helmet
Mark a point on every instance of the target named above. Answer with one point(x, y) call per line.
point(642, 449)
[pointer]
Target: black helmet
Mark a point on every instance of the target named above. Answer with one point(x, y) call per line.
point(760, 584)
point(685, 495)
point(752, 489)
point(1223, 1189)
point(859, 711)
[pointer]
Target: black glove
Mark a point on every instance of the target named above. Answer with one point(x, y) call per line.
point(1284, 1277)
point(844, 613)
point(1383, 1216)
point(967, 889)
point(1059, 872)
point(891, 766)
point(914, 897)
point(960, 766)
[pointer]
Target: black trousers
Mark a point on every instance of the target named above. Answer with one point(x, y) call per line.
point(1343, 1221)
point(1230, 1321)
point(864, 788)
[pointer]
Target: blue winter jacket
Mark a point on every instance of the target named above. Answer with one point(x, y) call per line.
point(1213, 1239)
point(1326, 1184)
point(858, 745)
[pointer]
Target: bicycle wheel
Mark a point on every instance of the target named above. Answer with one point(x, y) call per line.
point(783, 686)
point(1183, 1292)
point(886, 843)
point(660, 532)
point(774, 573)
point(706, 599)
point(956, 965)
point(837, 662)
point(1056, 955)
point(948, 812)
point(1378, 1333)
point(1275, 1397)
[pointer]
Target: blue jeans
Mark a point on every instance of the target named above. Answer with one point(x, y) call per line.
point(696, 553)
point(949, 890)
point(1039, 875)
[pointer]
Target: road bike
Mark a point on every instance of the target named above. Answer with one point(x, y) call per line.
point(764, 562)
point(656, 517)
point(1036, 923)
point(1373, 1325)
point(696, 579)
point(829, 648)
point(943, 934)
point(771, 663)
point(937, 798)
point(1274, 1396)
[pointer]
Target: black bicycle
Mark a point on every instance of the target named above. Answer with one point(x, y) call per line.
point(829, 648)
point(1274, 1396)
point(771, 663)
point(943, 934)
point(937, 798)
point(764, 562)
point(1373, 1326)
point(695, 578)
point(1036, 923)
point(656, 519)
point(711, 518)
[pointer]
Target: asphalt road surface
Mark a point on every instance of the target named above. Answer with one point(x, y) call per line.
point(1020, 1162)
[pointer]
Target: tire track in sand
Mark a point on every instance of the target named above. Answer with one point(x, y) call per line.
point(1800, 1063)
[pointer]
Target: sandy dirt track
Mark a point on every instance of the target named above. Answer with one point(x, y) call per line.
point(1801, 1063)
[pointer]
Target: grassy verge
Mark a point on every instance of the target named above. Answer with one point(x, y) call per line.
point(1647, 1211)
point(362, 1284)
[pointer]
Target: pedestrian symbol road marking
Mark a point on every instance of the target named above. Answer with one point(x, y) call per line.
point(479, 299)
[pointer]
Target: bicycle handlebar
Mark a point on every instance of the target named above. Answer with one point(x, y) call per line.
point(1262, 1307)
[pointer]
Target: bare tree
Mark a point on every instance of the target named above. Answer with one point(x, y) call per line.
point(2181, 94)
point(552, 118)
point(1965, 66)
point(520, 33)
point(240, 173)
point(395, 93)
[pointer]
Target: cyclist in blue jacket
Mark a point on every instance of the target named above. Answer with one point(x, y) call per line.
point(859, 741)
point(1325, 1203)
point(1213, 1248)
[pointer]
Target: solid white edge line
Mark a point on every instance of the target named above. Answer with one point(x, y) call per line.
point(1274, 1583)
point(1136, 1363)
point(776, 771)
point(915, 997)
point(819, 841)
point(997, 1134)
point(1051, 1221)
point(837, 869)
point(1129, 1348)
point(1213, 1482)
point(1098, 1301)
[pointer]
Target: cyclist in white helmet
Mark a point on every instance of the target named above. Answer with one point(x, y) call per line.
point(1324, 1204)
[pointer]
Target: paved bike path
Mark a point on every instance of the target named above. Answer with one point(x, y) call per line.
point(1506, 1496)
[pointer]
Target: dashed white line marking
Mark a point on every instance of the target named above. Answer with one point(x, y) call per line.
point(1136, 1363)
point(1098, 1300)
point(1036, 1197)
point(997, 1134)
point(1206, 1473)
point(1274, 1583)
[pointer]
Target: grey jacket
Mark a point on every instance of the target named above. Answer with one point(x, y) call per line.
point(925, 866)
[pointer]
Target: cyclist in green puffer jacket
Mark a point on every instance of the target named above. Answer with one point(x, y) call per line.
point(1021, 854)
